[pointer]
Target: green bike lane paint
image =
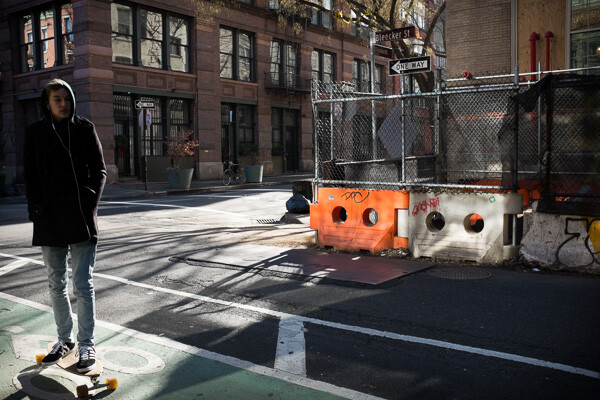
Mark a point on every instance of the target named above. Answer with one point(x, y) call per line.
point(146, 366)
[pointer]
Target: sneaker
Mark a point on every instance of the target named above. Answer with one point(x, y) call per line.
point(59, 350)
point(87, 359)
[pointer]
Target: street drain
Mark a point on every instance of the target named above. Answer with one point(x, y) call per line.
point(459, 273)
point(268, 221)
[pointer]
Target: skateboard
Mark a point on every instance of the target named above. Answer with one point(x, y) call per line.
point(69, 364)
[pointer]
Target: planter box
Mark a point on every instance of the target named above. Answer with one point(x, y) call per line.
point(180, 178)
point(157, 167)
point(254, 173)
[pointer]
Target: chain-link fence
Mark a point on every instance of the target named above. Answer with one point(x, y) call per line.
point(489, 136)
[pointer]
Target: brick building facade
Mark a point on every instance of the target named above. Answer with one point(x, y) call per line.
point(240, 79)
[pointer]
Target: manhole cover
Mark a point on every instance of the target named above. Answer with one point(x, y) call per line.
point(459, 273)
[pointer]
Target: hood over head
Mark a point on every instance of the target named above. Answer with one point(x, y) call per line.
point(53, 85)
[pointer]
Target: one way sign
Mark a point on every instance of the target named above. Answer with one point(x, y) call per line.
point(410, 65)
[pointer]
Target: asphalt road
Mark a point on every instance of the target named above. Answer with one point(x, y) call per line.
point(488, 333)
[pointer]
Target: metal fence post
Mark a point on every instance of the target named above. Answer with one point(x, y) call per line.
point(372, 77)
point(315, 111)
point(403, 117)
point(437, 126)
point(515, 166)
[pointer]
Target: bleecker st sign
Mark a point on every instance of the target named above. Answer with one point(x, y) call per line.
point(395, 34)
point(410, 65)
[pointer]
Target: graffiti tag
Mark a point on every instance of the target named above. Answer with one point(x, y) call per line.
point(433, 202)
point(356, 196)
point(576, 240)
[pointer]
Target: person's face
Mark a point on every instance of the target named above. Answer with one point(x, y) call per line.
point(59, 104)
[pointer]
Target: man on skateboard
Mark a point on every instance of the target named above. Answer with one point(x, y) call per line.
point(64, 176)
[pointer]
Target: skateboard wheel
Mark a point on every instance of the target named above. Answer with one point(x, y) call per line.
point(111, 383)
point(39, 358)
point(82, 391)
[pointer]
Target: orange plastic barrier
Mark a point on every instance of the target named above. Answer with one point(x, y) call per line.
point(354, 219)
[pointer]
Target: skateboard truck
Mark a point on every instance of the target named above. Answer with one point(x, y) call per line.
point(83, 391)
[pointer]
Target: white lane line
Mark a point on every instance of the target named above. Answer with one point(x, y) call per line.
point(28, 259)
point(198, 352)
point(197, 208)
point(368, 331)
point(12, 266)
point(290, 355)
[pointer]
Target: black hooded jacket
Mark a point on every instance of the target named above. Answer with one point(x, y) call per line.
point(64, 176)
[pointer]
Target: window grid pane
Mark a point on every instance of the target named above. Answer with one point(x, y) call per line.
point(275, 62)
point(178, 44)
point(66, 15)
point(291, 65)
point(122, 34)
point(152, 25)
point(245, 57)
point(26, 43)
point(47, 38)
point(226, 48)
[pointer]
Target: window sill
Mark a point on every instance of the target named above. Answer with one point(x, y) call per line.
point(150, 69)
point(229, 80)
point(45, 70)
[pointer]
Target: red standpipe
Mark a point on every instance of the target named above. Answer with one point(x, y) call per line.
point(548, 36)
point(533, 38)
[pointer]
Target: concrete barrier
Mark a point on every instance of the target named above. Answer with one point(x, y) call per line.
point(562, 241)
point(355, 219)
point(463, 226)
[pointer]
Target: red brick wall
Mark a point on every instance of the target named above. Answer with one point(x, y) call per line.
point(478, 37)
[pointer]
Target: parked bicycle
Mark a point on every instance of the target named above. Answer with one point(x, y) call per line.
point(233, 173)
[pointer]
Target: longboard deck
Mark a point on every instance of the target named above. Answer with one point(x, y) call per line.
point(69, 363)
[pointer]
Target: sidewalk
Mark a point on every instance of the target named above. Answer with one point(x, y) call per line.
point(138, 189)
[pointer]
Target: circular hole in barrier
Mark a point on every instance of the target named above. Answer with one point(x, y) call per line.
point(435, 221)
point(370, 217)
point(339, 215)
point(473, 223)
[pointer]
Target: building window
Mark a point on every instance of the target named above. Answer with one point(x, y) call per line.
point(361, 75)
point(319, 16)
point(122, 33)
point(151, 24)
point(245, 120)
point(284, 63)
point(276, 131)
point(323, 66)
point(161, 41)
point(359, 29)
point(178, 44)
point(585, 34)
point(179, 119)
point(237, 54)
point(41, 45)
point(66, 13)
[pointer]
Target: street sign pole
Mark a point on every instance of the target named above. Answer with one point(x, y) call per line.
point(144, 105)
point(403, 127)
point(373, 125)
point(144, 111)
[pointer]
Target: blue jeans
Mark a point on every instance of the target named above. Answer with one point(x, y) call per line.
point(83, 256)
